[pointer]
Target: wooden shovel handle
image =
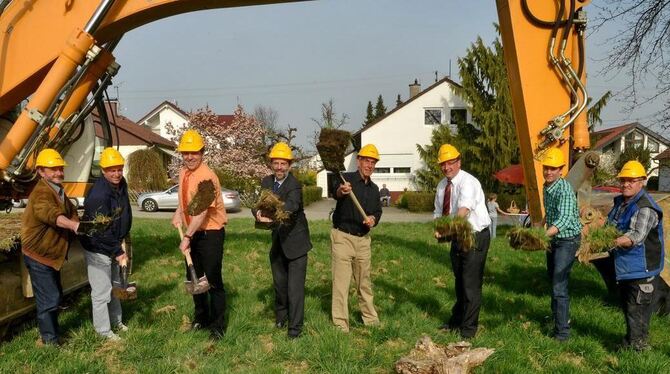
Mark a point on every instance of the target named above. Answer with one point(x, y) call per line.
point(355, 199)
point(189, 262)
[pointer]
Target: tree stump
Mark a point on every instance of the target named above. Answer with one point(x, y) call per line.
point(430, 358)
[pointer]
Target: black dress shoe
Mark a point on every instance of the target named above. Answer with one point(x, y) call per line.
point(294, 335)
point(280, 324)
point(217, 334)
point(195, 326)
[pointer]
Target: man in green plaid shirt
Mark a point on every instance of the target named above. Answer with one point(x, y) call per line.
point(564, 229)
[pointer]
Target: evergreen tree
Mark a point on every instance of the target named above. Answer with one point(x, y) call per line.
point(380, 109)
point(485, 88)
point(369, 114)
point(638, 153)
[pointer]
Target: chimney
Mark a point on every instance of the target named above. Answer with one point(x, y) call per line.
point(398, 101)
point(414, 89)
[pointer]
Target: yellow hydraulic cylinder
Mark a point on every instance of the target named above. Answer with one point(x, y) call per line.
point(63, 68)
point(85, 86)
point(580, 128)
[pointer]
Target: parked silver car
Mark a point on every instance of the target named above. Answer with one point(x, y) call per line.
point(169, 199)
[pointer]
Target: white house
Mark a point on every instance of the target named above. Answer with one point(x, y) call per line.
point(617, 138)
point(166, 112)
point(397, 133)
point(128, 137)
point(664, 171)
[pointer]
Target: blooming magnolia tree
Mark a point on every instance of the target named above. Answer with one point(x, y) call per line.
point(234, 148)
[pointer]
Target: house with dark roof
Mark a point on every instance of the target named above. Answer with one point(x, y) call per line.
point(617, 139)
point(397, 133)
point(128, 136)
point(166, 112)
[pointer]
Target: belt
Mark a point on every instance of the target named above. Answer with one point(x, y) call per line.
point(359, 234)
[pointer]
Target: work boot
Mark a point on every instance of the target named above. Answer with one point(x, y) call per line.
point(121, 327)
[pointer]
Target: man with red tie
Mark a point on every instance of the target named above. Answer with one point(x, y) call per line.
point(460, 194)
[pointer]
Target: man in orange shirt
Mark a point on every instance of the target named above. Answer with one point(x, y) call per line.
point(204, 234)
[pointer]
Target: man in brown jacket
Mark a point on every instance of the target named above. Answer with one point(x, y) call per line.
point(48, 224)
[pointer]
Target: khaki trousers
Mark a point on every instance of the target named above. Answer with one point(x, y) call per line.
point(351, 256)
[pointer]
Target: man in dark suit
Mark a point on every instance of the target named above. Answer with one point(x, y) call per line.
point(290, 242)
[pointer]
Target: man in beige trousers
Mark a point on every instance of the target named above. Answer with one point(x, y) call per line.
point(351, 254)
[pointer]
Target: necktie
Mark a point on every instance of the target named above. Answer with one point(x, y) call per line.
point(275, 188)
point(446, 206)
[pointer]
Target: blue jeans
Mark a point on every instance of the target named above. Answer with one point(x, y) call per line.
point(48, 293)
point(559, 265)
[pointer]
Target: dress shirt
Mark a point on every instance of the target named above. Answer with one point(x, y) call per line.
point(466, 192)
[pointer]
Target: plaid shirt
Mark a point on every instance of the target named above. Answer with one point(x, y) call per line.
point(560, 205)
point(640, 223)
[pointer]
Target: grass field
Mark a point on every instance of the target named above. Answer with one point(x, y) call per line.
point(413, 287)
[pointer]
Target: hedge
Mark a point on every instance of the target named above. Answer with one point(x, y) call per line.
point(311, 194)
point(420, 201)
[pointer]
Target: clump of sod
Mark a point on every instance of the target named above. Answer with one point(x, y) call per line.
point(202, 199)
point(456, 228)
point(99, 223)
point(272, 207)
point(528, 239)
point(332, 146)
point(10, 232)
point(598, 240)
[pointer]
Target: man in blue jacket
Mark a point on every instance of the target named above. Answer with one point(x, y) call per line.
point(108, 197)
point(638, 256)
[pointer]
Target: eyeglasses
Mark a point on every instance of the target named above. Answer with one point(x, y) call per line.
point(630, 181)
point(452, 162)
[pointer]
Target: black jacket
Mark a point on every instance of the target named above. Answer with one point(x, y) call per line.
point(346, 216)
point(292, 237)
point(104, 199)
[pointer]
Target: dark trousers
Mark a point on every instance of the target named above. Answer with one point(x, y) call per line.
point(636, 304)
point(207, 255)
point(560, 259)
point(468, 268)
point(288, 278)
point(48, 294)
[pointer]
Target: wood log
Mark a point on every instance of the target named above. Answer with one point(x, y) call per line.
point(430, 358)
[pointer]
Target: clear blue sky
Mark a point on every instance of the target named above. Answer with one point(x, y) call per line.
point(293, 57)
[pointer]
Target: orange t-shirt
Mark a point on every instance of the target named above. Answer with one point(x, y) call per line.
point(188, 185)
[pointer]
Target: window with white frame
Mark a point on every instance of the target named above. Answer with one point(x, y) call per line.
point(652, 145)
point(432, 116)
point(401, 170)
point(383, 170)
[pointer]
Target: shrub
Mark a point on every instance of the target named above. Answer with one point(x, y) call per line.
point(236, 182)
point(307, 177)
point(146, 171)
point(311, 194)
point(420, 201)
point(401, 203)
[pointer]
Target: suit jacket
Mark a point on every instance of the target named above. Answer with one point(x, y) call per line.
point(291, 237)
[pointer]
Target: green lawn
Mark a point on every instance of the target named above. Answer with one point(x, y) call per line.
point(413, 293)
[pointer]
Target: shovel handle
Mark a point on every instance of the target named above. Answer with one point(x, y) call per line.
point(354, 199)
point(189, 261)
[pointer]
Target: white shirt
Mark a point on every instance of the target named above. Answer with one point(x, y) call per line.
point(466, 192)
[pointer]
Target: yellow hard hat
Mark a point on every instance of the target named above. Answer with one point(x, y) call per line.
point(49, 158)
point(447, 152)
point(281, 150)
point(191, 141)
point(111, 157)
point(632, 169)
point(554, 158)
point(369, 150)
